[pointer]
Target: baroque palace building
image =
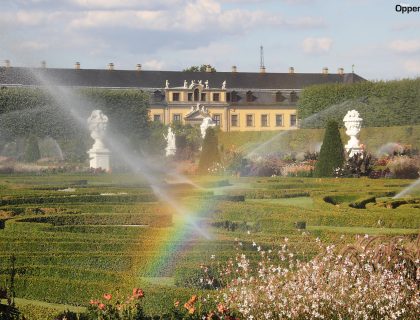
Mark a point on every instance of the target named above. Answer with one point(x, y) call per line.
point(236, 101)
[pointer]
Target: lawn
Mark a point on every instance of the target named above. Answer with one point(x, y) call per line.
point(110, 233)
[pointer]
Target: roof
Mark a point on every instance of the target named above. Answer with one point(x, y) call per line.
point(157, 79)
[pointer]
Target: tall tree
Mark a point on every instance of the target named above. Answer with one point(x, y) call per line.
point(331, 155)
point(210, 153)
point(32, 153)
point(202, 68)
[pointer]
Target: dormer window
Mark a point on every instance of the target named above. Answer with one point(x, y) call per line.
point(293, 96)
point(249, 97)
point(234, 96)
point(279, 97)
point(216, 97)
point(175, 96)
point(157, 95)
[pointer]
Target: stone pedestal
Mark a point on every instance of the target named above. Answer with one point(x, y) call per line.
point(100, 159)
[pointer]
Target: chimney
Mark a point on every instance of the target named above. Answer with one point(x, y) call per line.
point(7, 64)
point(208, 69)
point(43, 64)
point(138, 67)
point(262, 69)
point(325, 70)
point(291, 70)
point(77, 65)
point(340, 71)
point(110, 66)
point(234, 69)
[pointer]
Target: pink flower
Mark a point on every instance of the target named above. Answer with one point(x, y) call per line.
point(101, 306)
point(107, 296)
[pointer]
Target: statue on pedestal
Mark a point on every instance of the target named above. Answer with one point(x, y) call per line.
point(170, 143)
point(353, 124)
point(98, 154)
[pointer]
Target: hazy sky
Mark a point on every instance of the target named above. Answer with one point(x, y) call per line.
point(174, 34)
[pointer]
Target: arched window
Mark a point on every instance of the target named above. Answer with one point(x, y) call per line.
point(196, 95)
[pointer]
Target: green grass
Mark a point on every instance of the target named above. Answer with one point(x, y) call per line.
point(301, 202)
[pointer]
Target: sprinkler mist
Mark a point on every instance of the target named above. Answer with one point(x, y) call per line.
point(415, 186)
point(144, 167)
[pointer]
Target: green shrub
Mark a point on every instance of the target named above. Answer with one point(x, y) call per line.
point(331, 155)
point(210, 153)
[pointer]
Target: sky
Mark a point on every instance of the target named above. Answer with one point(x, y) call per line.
point(175, 34)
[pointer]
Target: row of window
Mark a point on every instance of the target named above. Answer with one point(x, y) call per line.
point(234, 120)
point(250, 121)
point(230, 96)
point(196, 96)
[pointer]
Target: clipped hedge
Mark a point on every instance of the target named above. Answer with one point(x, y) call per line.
point(146, 197)
point(381, 104)
point(154, 220)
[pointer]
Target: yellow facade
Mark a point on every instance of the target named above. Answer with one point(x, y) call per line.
point(230, 116)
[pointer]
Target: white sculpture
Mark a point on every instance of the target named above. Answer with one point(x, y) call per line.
point(353, 124)
point(192, 84)
point(167, 84)
point(185, 84)
point(207, 84)
point(98, 154)
point(224, 85)
point(170, 143)
point(207, 123)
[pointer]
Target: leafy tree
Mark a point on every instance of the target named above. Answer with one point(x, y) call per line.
point(201, 68)
point(210, 153)
point(32, 153)
point(331, 155)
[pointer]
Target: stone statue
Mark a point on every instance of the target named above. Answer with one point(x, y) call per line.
point(224, 85)
point(98, 154)
point(200, 82)
point(170, 143)
point(207, 84)
point(167, 84)
point(353, 124)
point(185, 84)
point(192, 84)
point(207, 123)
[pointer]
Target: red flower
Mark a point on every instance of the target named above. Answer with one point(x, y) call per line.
point(138, 293)
point(107, 296)
point(101, 306)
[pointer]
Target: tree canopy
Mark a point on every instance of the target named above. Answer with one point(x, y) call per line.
point(201, 68)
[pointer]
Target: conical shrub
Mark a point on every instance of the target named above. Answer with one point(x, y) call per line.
point(331, 155)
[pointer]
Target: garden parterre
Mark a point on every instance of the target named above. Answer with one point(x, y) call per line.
point(106, 233)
